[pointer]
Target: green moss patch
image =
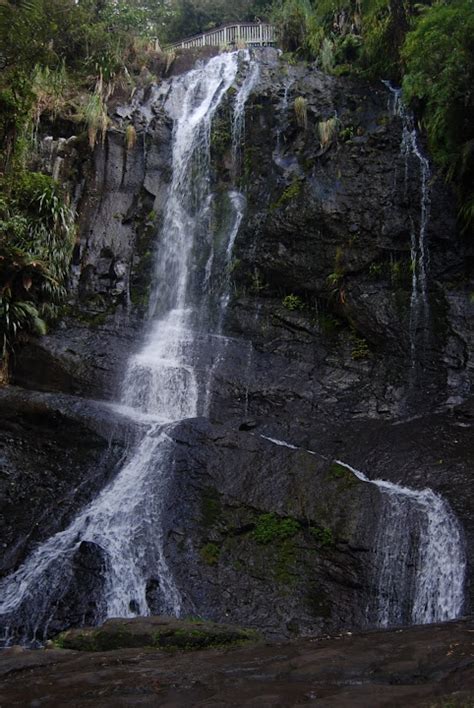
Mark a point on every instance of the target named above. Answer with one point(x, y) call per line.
point(154, 632)
point(270, 528)
point(210, 553)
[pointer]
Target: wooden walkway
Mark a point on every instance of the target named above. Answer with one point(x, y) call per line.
point(250, 34)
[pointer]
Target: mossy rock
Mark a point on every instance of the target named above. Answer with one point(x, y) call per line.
point(343, 475)
point(154, 632)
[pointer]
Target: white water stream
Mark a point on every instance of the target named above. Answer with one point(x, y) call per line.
point(419, 302)
point(420, 561)
point(420, 558)
point(161, 385)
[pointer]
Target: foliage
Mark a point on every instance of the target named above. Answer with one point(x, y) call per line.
point(327, 130)
point(292, 18)
point(426, 44)
point(346, 133)
point(51, 49)
point(292, 302)
point(323, 536)
point(301, 111)
point(360, 348)
point(271, 528)
point(327, 55)
point(49, 89)
point(289, 193)
point(439, 57)
point(188, 17)
point(95, 115)
point(36, 240)
point(210, 553)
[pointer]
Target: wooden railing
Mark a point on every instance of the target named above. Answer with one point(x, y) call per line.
point(250, 34)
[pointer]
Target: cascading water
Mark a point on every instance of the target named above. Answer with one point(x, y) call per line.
point(419, 302)
point(161, 387)
point(282, 109)
point(420, 562)
point(238, 123)
point(420, 559)
point(237, 203)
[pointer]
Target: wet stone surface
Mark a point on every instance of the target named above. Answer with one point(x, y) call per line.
point(430, 666)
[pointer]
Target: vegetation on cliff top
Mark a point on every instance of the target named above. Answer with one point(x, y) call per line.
point(428, 47)
point(59, 58)
point(62, 57)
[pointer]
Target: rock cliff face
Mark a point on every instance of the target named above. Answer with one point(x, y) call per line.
point(325, 350)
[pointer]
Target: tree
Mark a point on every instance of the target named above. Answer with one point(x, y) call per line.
point(439, 81)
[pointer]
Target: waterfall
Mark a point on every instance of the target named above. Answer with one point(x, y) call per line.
point(161, 386)
point(419, 303)
point(237, 203)
point(238, 123)
point(420, 560)
point(282, 110)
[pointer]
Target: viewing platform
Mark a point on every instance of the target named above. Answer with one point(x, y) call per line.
point(249, 34)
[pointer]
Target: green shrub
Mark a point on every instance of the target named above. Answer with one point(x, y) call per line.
point(439, 57)
point(291, 18)
point(323, 536)
point(270, 528)
point(346, 133)
point(326, 55)
point(36, 239)
point(292, 302)
point(360, 348)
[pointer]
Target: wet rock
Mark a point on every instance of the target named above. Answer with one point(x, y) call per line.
point(269, 537)
point(419, 666)
point(82, 602)
point(331, 371)
point(56, 453)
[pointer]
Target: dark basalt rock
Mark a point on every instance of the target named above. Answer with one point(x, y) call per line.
point(82, 601)
point(419, 666)
point(266, 536)
point(329, 369)
point(57, 452)
point(330, 224)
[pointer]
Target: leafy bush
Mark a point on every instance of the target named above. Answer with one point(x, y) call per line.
point(323, 536)
point(36, 240)
point(292, 21)
point(270, 528)
point(292, 302)
point(49, 88)
point(439, 57)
